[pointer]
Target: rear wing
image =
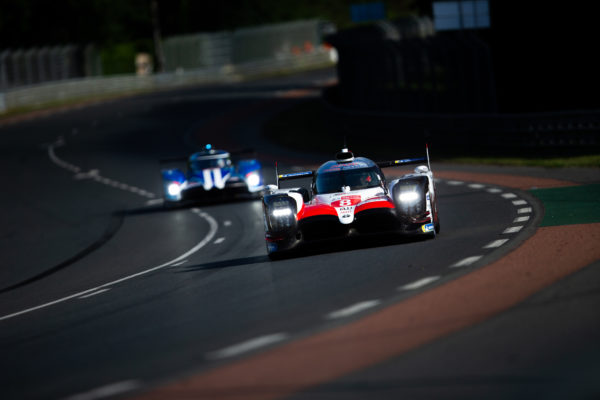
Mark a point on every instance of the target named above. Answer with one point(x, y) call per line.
point(293, 175)
point(397, 163)
point(406, 161)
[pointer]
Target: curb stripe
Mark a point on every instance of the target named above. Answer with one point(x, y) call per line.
point(402, 327)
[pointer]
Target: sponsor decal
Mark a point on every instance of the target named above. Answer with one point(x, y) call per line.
point(213, 178)
point(427, 228)
point(345, 214)
point(346, 201)
point(296, 174)
point(271, 246)
point(345, 208)
point(351, 165)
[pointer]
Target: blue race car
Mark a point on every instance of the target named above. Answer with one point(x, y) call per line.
point(213, 174)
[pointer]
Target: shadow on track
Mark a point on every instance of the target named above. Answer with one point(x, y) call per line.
point(349, 244)
point(236, 262)
point(314, 249)
point(182, 206)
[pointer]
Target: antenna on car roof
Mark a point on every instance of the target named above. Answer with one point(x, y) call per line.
point(276, 175)
point(427, 151)
point(345, 155)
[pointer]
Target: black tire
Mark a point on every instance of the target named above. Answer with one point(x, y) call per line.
point(169, 205)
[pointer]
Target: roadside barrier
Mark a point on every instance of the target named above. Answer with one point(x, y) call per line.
point(83, 88)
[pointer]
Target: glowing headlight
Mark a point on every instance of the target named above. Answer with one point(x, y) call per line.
point(282, 212)
point(253, 179)
point(407, 197)
point(173, 189)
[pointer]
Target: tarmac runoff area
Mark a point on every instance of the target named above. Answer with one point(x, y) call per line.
point(566, 241)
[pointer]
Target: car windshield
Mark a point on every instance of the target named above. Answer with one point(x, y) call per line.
point(332, 182)
point(201, 164)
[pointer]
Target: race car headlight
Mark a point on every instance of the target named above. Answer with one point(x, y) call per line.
point(253, 179)
point(282, 212)
point(174, 189)
point(408, 197)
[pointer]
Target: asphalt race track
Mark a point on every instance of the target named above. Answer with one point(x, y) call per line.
point(104, 292)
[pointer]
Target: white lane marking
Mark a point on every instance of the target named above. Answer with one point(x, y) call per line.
point(54, 158)
point(476, 186)
point(91, 174)
point(509, 195)
point(227, 223)
point(353, 309)
point(94, 293)
point(179, 263)
point(247, 346)
point(155, 202)
point(209, 236)
point(466, 261)
point(419, 283)
point(494, 190)
point(112, 389)
point(513, 229)
point(455, 183)
point(495, 243)
point(525, 210)
point(521, 219)
point(519, 202)
point(219, 240)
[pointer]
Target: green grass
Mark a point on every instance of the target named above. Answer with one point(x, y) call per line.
point(570, 205)
point(551, 162)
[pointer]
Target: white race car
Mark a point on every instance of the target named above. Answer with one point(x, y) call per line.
point(350, 196)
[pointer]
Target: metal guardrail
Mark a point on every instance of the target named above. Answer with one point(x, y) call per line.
point(72, 89)
point(30, 66)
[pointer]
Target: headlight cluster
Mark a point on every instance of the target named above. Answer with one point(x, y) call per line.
point(253, 179)
point(174, 189)
point(282, 219)
point(408, 197)
point(282, 212)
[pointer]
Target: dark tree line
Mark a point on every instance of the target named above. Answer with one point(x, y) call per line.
point(28, 23)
